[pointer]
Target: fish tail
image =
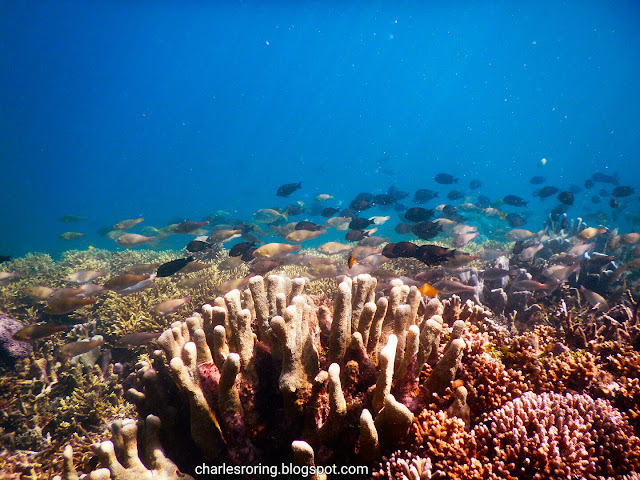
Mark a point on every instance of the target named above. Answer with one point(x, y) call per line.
point(285, 215)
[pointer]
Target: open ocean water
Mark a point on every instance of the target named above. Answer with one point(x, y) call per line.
point(173, 110)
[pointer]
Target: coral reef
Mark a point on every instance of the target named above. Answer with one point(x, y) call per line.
point(286, 368)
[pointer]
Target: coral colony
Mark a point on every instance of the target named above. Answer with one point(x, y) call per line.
point(316, 368)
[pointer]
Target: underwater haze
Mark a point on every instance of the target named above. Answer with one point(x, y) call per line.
point(172, 110)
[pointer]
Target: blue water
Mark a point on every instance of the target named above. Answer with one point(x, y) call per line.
point(168, 110)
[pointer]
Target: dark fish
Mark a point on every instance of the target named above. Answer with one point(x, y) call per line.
point(329, 212)
point(449, 210)
point(362, 201)
point(515, 220)
point(418, 214)
point(36, 332)
point(402, 228)
point(355, 235)
point(383, 199)
point(483, 201)
point(349, 213)
point(248, 255)
point(603, 193)
point(445, 179)
point(588, 183)
point(188, 226)
point(400, 250)
point(622, 191)
point(604, 178)
point(455, 195)
point(359, 223)
point(174, 266)
point(557, 211)
point(288, 189)
point(78, 348)
point(71, 218)
point(434, 254)
point(566, 198)
point(545, 192)
point(575, 189)
point(396, 193)
point(294, 210)
point(614, 203)
point(310, 226)
point(423, 196)
point(198, 246)
point(537, 180)
point(426, 230)
point(136, 339)
point(5, 258)
point(240, 249)
point(475, 184)
point(595, 199)
point(514, 201)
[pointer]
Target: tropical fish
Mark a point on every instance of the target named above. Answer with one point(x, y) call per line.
point(188, 226)
point(124, 281)
point(174, 266)
point(332, 248)
point(464, 238)
point(372, 241)
point(428, 290)
point(193, 267)
point(351, 261)
point(455, 195)
point(128, 223)
point(519, 234)
point(339, 223)
point(84, 276)
point(299, 236)
point(566, 198)
point(537, 180)
point(268, 215)
point(450, 287)
point(40, 292)
point(64, 305)
point(329, 212)
point(6, 276)
point(136, 339)
point(475, 184)
point(418, 214)
point(36, 332)
point(221, 236)
point(72, 235)
point(142, 268)
point(622, 191)
point(260, 267)
point(590, 232)
point(528, 253)
point(355, 235)
point(271, 250)
point(546, 192)
point(240, 249)
point(129, 240)
point(198, 246)
point(531, 285)
point(604, 178)
point(445, 179)
point(423, 195)
point(288, 189)
point(373, 260)
point(74, 349)
point(595, 300)
point(323, 197)
point(515, 201)
point(71, 218)
point(170, 306)
point(192, 282)
point(426, 230)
